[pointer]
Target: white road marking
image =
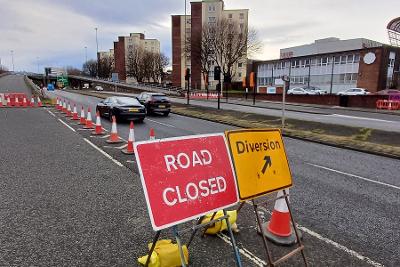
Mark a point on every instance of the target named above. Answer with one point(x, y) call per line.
point(131, 161)
point(104, 153)
point(72, 129)
point(51, 113)
point(340, 247)
point(358, 118)
point(257, 261)
point(117, 147)
point(164, 124)
point(330, 242)
point(105, 136)
point(355, 176)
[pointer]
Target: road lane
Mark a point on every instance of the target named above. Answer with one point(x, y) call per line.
point(352, 212)
point(14, 84)
point(65, 204)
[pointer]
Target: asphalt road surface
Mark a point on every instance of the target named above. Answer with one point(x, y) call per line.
point(14, 84)
point(65, 203)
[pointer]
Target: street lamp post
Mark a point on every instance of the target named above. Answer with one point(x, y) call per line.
point(12, 59)
point(97, 55)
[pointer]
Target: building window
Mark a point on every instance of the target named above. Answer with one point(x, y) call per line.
point(324, 61)
point(211, 8)
point(241, 15)
point(240, 64)
point(230, 16)
point(240, 74)
point(391, 63)
point(211, 19)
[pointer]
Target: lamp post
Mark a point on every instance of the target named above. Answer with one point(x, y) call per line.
point(187, 83)
point(12, 59)
point(97, 55)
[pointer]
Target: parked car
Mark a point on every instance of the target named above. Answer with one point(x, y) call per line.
point(300, 91)
point(127, 108)
point(318, 91)
point(98, 88)
point(155, 103)
point(388, 92)
point(354, 91)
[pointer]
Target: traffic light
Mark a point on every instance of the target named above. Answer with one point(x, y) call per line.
point(187, 74)
point(217, 73)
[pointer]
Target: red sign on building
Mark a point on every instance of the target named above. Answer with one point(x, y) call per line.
point(186, 177)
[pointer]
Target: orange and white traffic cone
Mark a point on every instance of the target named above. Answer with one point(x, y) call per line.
point(39, 102)
point(129, 149)
point(1, 101)
point(69, 111)
point(152, 134)
point(89, 122)
point(75, 114)
point(114, 138)
point(32, 104)
point(280, 229)
point(58, 104)
point(8, 102)
point(24, 103)
point(98, 129)
point(64, 107)
point(16, 102)
point(82, 120)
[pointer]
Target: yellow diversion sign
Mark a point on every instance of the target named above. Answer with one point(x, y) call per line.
point(260, 161)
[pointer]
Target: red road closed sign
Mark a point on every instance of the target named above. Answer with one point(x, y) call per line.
point(186, 177)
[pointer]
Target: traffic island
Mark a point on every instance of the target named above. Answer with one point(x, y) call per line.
point(366, 140)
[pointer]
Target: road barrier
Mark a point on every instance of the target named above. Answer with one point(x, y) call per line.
point(388, 104)
point(202, 95)
point(18, 100)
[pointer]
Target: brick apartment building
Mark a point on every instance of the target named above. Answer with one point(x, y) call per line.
point(125, 44)
point(203, 12)
point(333, 65)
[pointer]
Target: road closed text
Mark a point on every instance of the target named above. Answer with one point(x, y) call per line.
point(193, 191)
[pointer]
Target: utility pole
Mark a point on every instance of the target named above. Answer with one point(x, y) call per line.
point(12, 59)
point(97, 56)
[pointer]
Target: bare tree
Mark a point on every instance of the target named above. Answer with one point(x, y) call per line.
point(224, 43)
point(3, 69)
point(145, 65)
point(106, 66)
point(73, 71)
point(90, 68)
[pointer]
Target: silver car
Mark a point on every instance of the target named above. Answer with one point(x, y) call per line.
point(354, 91)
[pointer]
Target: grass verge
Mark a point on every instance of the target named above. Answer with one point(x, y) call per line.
point(367, 140)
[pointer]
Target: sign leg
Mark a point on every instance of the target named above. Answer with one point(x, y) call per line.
point(295, 229)
point(240, 206)
point(205, 229)
point(153, 245)
point(194, 231)
point(178, 240)
point(269, 258)
point(235, 249)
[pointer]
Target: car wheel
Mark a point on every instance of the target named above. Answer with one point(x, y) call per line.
point(166, 113)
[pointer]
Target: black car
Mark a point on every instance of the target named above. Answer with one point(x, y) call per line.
point(122, 108)
point(155, 103)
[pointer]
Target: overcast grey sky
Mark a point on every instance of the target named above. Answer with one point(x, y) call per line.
point(55, 32)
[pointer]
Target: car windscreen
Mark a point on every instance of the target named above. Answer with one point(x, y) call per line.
point(159, 97)
point(127, 101)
